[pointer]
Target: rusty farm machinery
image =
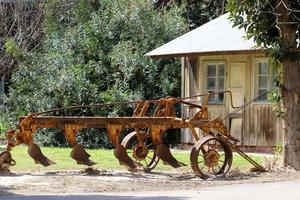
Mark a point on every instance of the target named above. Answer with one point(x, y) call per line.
point(143, 147)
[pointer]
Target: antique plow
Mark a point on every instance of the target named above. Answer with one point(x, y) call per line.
point(143, 147)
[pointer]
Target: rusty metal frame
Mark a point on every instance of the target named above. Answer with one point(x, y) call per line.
point(164, 118)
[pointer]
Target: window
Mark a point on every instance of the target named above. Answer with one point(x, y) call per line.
point(263, 79)
point(215, 82)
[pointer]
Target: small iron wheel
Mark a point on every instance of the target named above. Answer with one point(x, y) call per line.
point(142, 153)
point(211, 156)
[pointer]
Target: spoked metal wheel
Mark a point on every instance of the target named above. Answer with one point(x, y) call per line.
point(143, 153)
point(211, 156)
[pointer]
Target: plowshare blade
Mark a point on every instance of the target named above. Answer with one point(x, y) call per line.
point(164, 153)
point(79, 154)
point(36, 154)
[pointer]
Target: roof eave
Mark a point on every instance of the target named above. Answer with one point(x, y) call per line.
point(189, 54)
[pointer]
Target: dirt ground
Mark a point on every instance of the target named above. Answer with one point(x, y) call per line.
point(96, 181)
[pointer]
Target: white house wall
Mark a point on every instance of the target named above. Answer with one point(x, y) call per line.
point(259, 125)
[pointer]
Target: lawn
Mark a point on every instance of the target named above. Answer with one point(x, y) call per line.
point(105, 160)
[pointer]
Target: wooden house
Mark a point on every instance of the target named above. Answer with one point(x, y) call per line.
point(217, 57)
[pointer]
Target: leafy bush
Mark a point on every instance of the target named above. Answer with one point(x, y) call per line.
point(95, 53)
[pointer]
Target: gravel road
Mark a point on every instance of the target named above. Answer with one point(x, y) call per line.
point(123, 185)
point(287, 190)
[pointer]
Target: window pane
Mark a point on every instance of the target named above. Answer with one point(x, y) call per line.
point(263, 82)
point(211, 70)
point(211, 84)
point(220, 98)
point(221, 83)
point(263, 68)
point(262, 97)
point(211, 99)
point(221, 70)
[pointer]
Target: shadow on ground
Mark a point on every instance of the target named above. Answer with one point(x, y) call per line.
point(4, 191)
point(188, 176)
point(86, 197)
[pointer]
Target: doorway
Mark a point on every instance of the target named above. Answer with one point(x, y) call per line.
point(237, 76)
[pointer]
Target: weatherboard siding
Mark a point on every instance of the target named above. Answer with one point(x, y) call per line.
point(258, 125)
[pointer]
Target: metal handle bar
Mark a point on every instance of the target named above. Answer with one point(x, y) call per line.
point(180, 100)
point(243, 106)
point(213, 93)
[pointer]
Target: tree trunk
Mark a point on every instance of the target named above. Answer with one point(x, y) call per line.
point(291, 95)
point(291, 87)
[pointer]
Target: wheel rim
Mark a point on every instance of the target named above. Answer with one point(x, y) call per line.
point(144, 156)
point(211, 156)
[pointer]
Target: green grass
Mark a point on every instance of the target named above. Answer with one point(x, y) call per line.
point(105, 160)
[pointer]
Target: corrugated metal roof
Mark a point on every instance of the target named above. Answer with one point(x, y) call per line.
point(217, 35)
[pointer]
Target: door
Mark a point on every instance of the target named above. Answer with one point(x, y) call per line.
point(237, 73)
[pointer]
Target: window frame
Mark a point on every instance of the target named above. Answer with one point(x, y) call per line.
point(256, 79)
point(217, 77)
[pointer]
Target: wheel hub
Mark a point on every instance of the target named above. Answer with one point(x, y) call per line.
point(140, 152)
point(211, 158)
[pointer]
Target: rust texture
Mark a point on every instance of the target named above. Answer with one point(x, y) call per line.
point(211, 155)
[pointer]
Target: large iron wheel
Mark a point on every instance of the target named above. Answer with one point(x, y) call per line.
point(211, 156)
point(144, 153)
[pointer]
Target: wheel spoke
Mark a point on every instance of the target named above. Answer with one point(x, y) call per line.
point(146, 162)
point(216, 171)
point(211, 149)
point(213, 171)
point(202, 168)
point(131, 142)
point(208, 169)
point(208, 147)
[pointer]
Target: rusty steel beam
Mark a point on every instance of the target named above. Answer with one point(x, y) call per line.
point(148, 130)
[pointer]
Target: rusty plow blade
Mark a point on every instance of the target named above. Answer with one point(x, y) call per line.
point(124, 159)
point(79, 154)
point(164, 153)
point(6, 161)
point(36, 154)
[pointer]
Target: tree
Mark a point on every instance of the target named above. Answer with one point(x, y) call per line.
point(197, 12)
point(275, 24)
point(20, 28)
point(94, 53)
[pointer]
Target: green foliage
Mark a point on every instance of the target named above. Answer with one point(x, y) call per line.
point(95, 53)
point(258, 18)
point(261, 20)
point(12, 48)
point(274, 95)
point(196, 12)
point(200, 12)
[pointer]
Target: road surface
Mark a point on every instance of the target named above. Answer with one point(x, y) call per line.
point(287, 190)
